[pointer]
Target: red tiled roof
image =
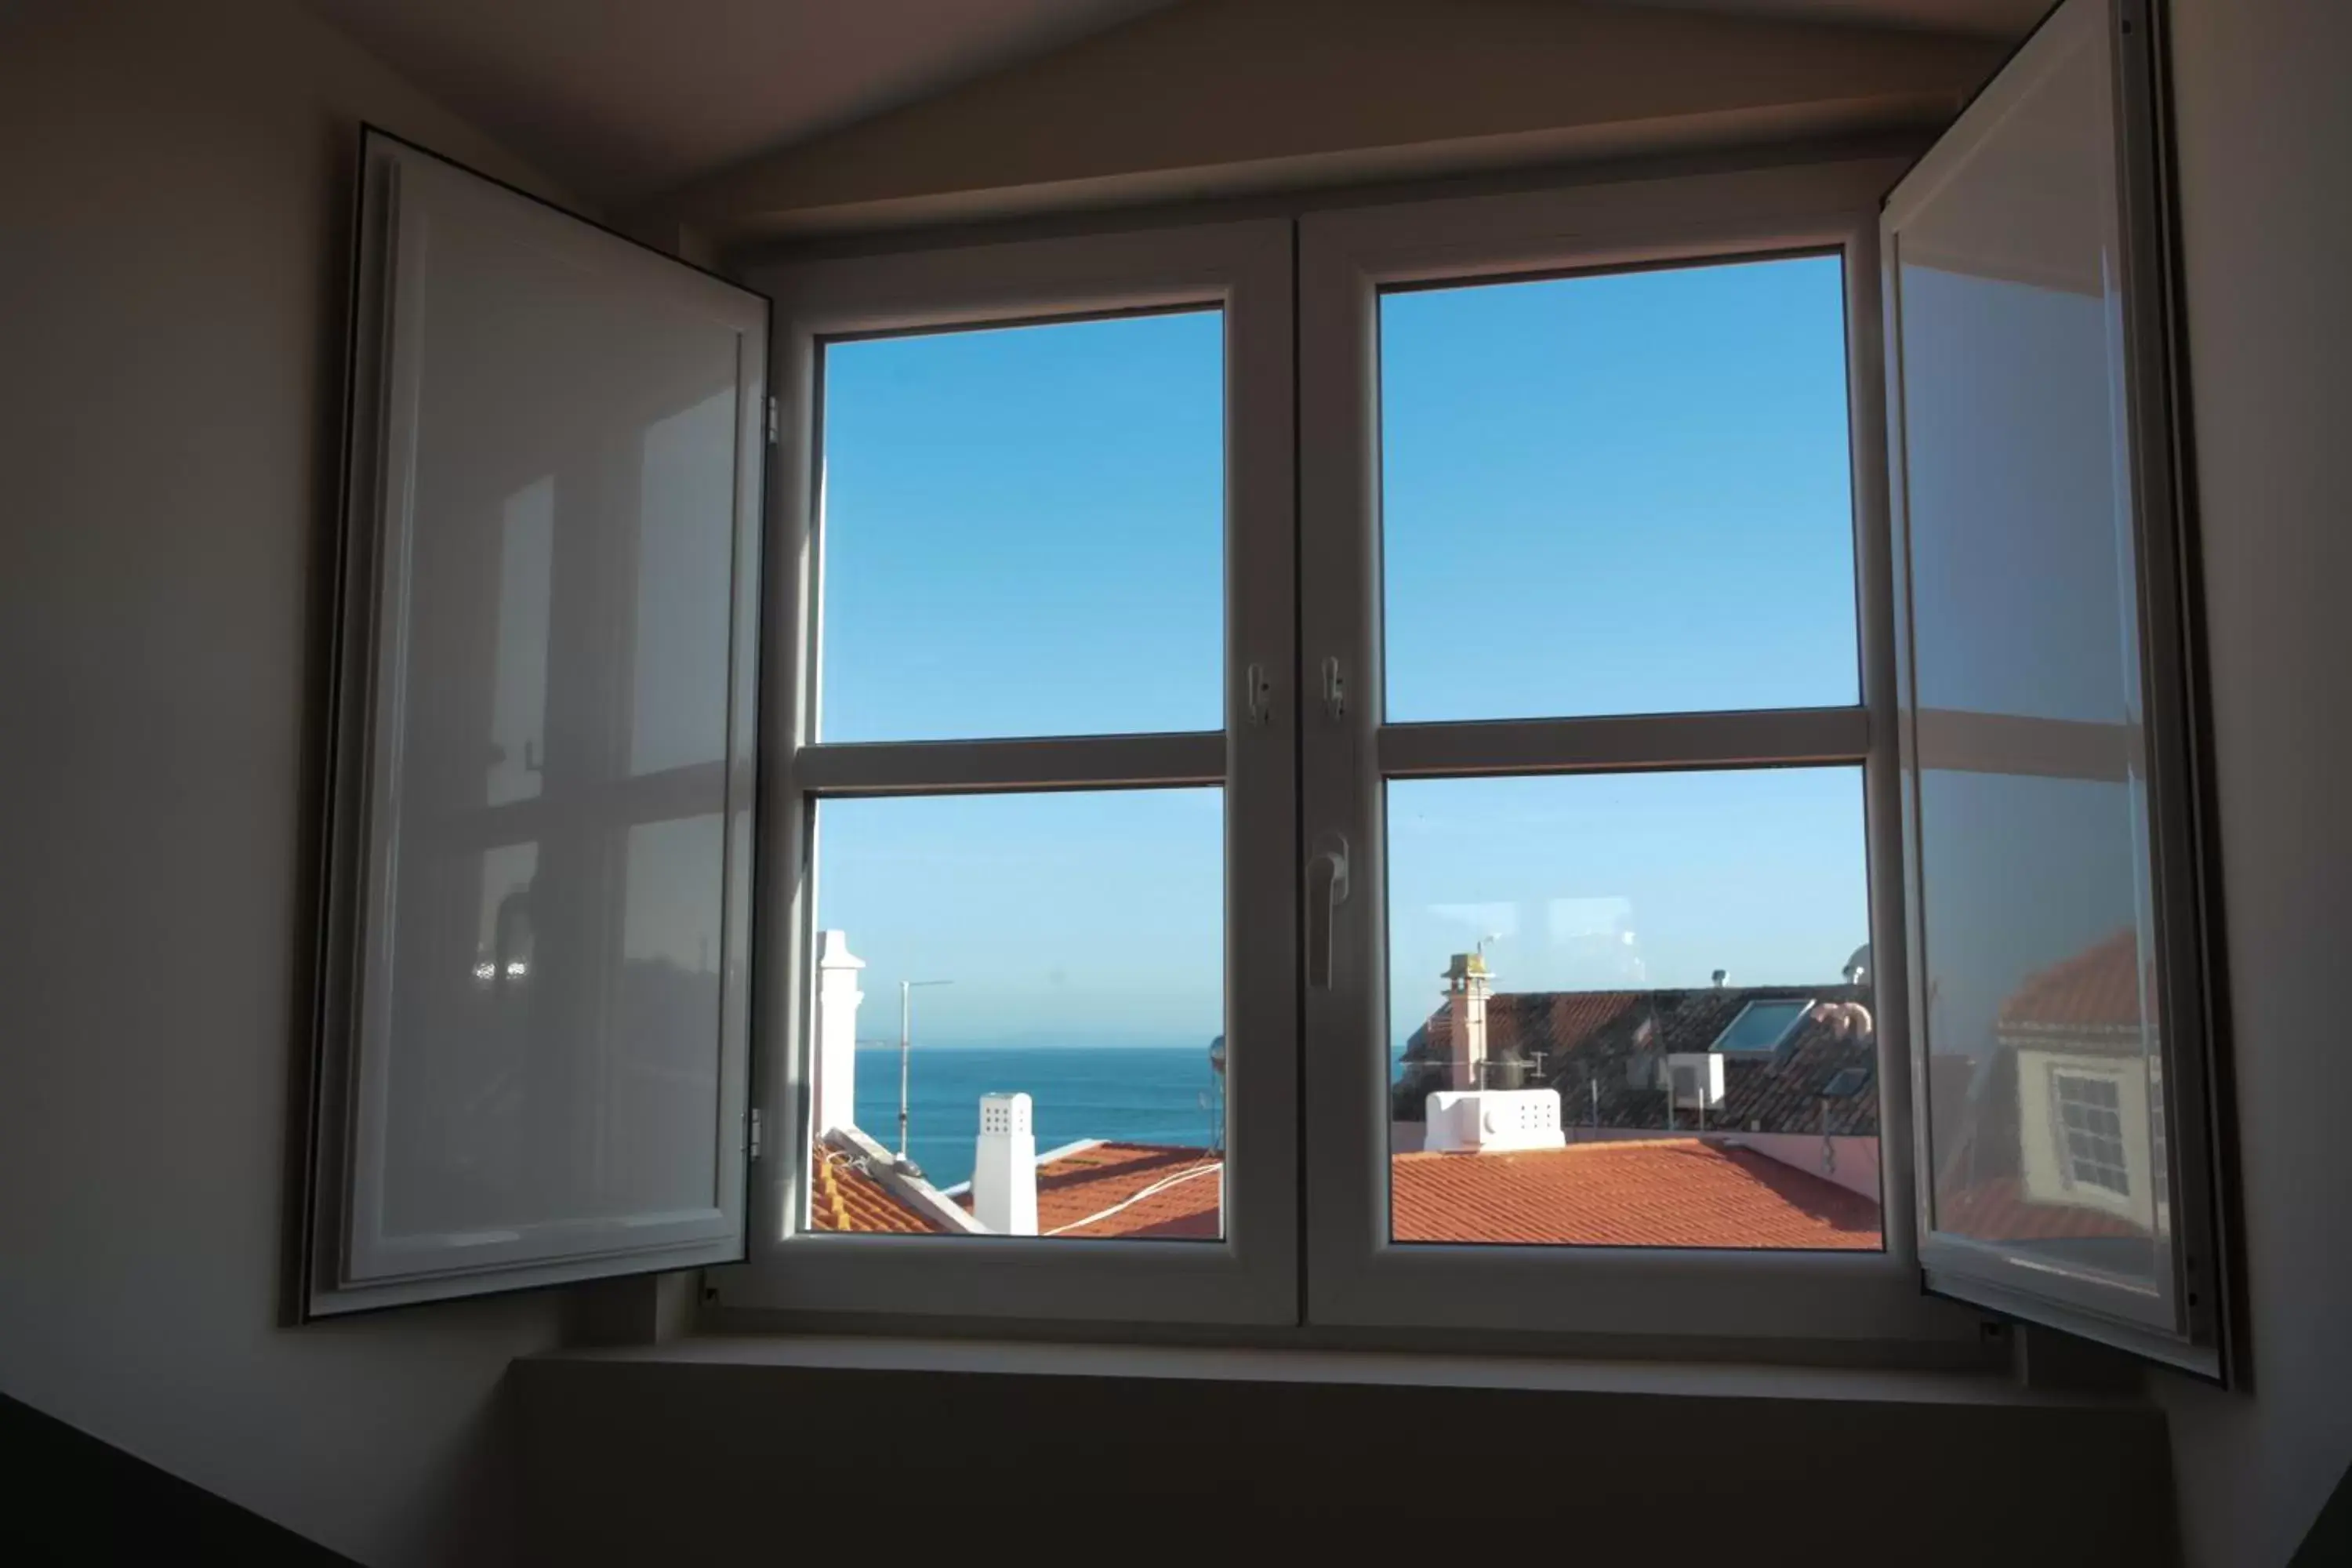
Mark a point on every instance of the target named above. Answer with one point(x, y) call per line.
point(1999, 1210)
point(2097, 989)
point(844, 1197)
point(1138, 1190)
point(1632, 1193)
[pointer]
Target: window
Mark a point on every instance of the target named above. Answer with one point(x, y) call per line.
point(2058, 928)
point(1512, 726)
point(1763, 1025)
point(1035, 1053)
point(2090, 1117)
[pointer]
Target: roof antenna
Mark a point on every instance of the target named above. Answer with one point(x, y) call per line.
point(906, 1017)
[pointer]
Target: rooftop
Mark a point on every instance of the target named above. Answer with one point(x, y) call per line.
point(1583, 1043)
point(1665, 1192)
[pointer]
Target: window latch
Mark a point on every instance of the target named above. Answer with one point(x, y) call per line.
point(1335, 688)
point(754, 1140)
point(1257, 693)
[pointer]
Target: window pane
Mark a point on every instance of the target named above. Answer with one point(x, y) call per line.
point(1034, 982)
point(1618, 494)
point(1632, 1010)
point(1023, 530)
point(2042, 1060)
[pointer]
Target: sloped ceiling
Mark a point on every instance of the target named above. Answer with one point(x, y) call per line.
point(621, 99)
point(625, 100)
point(1215, 97)
point(1992, 18)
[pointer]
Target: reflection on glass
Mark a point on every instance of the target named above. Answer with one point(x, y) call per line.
point(1626, 493)
point(685, 545)
point(551, 979)
point(1015, 1005)
point(664, 1090)
point(519, 683)
point(1632, 1010)
point(2046, 1127)
point(1023, 530)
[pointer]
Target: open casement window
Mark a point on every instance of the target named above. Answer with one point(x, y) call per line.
point(1603, 914)
point(534, 971)
point(2061, 1002)
point(1032, 785)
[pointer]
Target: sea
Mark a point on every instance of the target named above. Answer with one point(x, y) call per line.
point(1138, 1094)
point(1141, 1094)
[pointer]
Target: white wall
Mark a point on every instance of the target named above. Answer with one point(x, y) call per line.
point(173, 231)
point(2264, 128)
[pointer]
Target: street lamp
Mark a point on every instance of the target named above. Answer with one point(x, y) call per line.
point(906, 1017)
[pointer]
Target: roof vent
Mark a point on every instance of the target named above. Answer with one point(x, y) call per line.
point(1004, 1166)
point(1492, 1120)
point(1696, 1080)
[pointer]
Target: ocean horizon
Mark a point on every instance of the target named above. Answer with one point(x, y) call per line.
point(1142, 1094)
point(1136, 1094)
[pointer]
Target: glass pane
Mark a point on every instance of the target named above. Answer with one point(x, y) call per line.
point(1018, 1015)
point(563, 1061)
point(1632, 1010)
point(1618, 494)
point(2043, 1057)
point(543, 975)
point(1023, 530)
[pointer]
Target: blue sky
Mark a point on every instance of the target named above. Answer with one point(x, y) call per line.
point(1604, 495)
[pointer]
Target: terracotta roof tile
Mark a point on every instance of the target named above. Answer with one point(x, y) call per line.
point(1633, 1192)
point(1141, 1191)
point(1999, 1210)
point(844, 1197)
point(2097, 989)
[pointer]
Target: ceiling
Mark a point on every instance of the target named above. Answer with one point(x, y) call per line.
point(618, 99)
point(622, 99)
point(1994, 18)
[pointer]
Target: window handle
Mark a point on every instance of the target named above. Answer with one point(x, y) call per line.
point(1326, 890)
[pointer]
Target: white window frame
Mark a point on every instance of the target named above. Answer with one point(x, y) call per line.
point(1251, 1275)
point(1355, 1276)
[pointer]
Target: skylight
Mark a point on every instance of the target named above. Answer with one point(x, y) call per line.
point(1847, 1081)
point(1762, 1025)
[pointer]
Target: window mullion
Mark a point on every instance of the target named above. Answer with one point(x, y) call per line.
point(948, 767)
point(1780, 737)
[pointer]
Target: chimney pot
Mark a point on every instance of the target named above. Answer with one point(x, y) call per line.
point(837, 997)
point(1004, 1166)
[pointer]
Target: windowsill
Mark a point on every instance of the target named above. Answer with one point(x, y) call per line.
point(1377, 1367)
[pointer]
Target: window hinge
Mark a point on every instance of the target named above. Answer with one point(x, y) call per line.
point(771, 420)
point(755, 1134)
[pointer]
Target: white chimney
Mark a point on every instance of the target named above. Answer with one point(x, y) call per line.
point(1004, 1167)
point(1466, 985)
point(837, 997)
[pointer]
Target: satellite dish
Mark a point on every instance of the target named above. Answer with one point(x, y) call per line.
point(1857, 968)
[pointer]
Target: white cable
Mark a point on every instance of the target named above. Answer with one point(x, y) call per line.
point(1158, 1186)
